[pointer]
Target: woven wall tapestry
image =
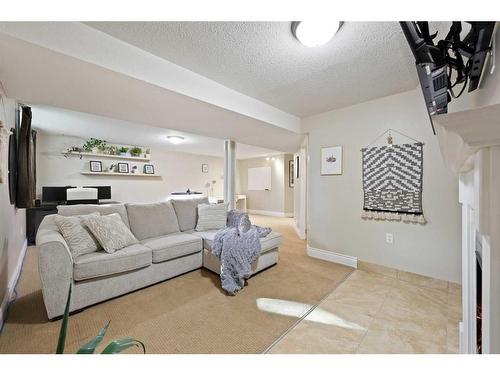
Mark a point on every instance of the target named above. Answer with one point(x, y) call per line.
point(392, 182)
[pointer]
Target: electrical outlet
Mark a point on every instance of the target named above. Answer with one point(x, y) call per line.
point(389, 238)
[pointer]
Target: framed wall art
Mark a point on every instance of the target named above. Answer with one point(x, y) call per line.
point(331, 161)
point(95, 166)
point(123, 168)
point(149, 169)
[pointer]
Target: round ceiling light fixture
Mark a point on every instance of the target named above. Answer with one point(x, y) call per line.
point(315, 33)
point(175, 139)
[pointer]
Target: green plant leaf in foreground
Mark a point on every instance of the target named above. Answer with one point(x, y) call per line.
point(89, 348)
point(120, 345)
point(64, 325)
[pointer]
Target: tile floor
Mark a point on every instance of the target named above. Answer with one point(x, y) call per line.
point(380, 310)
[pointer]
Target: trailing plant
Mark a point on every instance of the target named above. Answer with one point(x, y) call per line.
point(136, 151)
point(94, 143)
point(102, 146)
point(123, 150)
point(114, 347)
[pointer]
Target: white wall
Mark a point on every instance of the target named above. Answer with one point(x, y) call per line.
point(12, 224)
point(335, 202)
point(280, 199)
point(179, 172)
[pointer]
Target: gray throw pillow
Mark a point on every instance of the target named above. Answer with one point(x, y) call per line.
point(211, 216)
point(187, 211)
point(111, 232)
point(78, 237)
point(152, 220)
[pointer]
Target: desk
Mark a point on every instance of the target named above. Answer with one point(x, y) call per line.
point(240, 204)
point(35, 215)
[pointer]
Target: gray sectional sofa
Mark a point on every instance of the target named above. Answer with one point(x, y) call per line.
point(169, 246)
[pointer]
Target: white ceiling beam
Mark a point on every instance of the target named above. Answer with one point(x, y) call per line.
point(91, 45)
point(37, 75)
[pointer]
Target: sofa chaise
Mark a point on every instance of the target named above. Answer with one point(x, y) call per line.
point(168, 246)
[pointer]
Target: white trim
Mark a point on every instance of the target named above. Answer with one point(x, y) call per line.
point(298, 231)
point(12, 283)
point(270, 213)
point(332, 256)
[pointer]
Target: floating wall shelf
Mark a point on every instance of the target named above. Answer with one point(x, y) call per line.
point(117, 174)
point(96, 155)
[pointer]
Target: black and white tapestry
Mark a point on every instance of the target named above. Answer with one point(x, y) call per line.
point(392, 182)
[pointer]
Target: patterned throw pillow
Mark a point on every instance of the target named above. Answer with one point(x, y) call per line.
point(111, 232)
point(79, 239)
point(211, 216)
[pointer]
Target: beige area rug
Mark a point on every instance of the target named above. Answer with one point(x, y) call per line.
point(187, 314)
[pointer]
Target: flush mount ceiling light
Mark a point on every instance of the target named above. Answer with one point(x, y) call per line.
point(175, 139)
point(315, 33)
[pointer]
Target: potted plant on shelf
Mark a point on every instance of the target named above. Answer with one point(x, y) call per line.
point(123, 151)
point(113, 150)
point(94, 145)
point(102, 146)
point(136, 151)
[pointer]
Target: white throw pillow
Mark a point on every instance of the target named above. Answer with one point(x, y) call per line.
point(78, 237)
point(211, 216)
point(111, 232)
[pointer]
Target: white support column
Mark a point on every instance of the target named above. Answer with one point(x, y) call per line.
point(229, 172)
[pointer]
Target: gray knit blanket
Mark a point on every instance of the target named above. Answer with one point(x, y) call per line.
point(237, 246)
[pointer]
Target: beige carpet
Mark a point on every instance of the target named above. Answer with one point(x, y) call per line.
point(187, 314)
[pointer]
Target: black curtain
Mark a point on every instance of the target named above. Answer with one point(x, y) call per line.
point(26, 179)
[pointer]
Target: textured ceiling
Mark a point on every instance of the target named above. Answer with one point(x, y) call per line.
point(58, 121)
point(365, 60)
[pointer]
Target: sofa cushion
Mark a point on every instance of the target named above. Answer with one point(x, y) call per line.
point(211, 216)
point(103, 209)
point(173, 246)
point(101, 263)
point(110, 231)
point(187, 211)
point(78, 237)
point(271, 241)
point(152, 220)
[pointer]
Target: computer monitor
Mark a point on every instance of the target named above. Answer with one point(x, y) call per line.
point(103, 192)
point(55, 194)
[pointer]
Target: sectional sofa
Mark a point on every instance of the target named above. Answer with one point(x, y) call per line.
point(168, 246)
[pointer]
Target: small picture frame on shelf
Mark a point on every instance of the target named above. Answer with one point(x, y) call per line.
point(149, 169)
point(95, 166)
point(204, 168)
point(123, 168)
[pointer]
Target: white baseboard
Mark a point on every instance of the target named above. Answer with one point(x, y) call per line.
point(270, 213)
point(331, 256)
point(9, 293)
point(297, 230)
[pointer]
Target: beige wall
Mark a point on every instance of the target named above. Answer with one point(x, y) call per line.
point(179, 172)
point(12, 221)
point(280, 199)
point(335, 202)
